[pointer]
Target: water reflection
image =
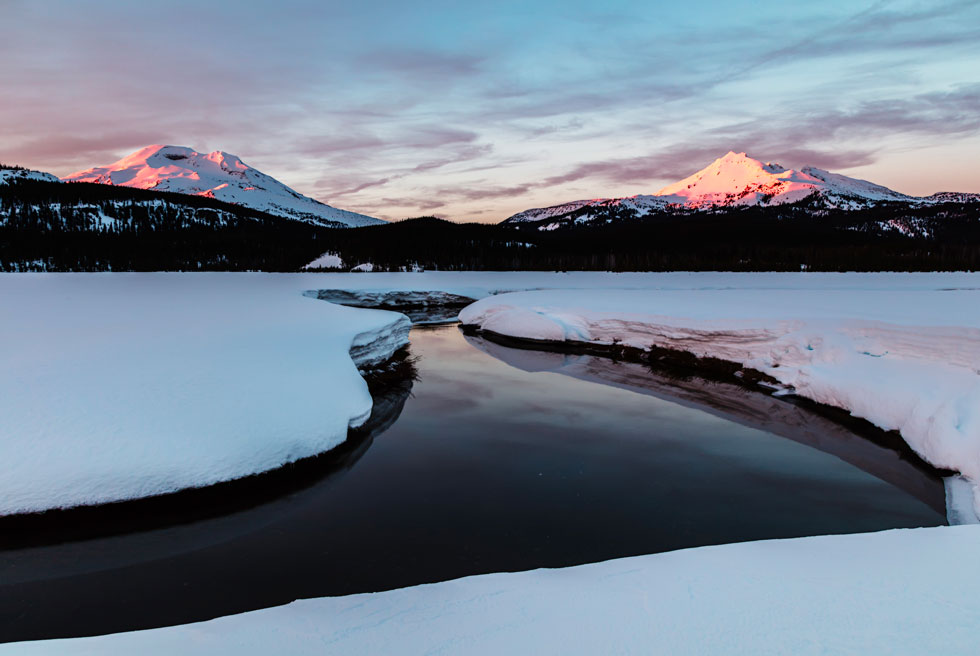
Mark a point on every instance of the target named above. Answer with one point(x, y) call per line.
point(881, 454)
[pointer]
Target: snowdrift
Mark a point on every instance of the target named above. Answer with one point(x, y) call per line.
point(123, 386)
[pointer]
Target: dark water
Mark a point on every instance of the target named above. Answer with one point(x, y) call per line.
point(488, 468)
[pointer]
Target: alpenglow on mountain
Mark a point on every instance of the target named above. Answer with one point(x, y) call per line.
point(218, 175)
point(737, 180)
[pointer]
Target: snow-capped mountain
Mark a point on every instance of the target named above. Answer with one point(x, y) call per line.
point(16, 174)
point(737, 180)
point(218, 175)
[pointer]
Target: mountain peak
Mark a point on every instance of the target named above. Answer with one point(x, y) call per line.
point(732, 156)
point(219, 175)
point(737, 179)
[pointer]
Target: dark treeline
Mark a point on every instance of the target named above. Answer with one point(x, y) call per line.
point(756, 239)
point(89, 227)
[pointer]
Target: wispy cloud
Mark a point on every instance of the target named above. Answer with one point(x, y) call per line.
point(484, 109)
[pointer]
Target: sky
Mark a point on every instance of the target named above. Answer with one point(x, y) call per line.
point(474, 111)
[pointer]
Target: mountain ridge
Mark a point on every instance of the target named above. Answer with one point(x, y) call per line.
point(737, 180)
point(219, 175)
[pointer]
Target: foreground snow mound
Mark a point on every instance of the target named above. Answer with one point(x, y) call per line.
point(896, 592)
point(216, 175)
point(122, 386)
point(904, 360)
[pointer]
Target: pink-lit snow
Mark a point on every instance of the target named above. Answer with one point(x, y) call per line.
point(737, 180)
point(217, 175)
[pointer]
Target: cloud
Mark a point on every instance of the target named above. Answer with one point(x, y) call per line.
point(422, 204)
point(419, 63)
point(339, 143)
point(334, 187)
point(358, 187)
point(484, 192)
point(375, 102)
point(824, 139)
point(460, 155)
point(84, 150)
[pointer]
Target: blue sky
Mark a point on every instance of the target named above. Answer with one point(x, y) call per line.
point(474, 111)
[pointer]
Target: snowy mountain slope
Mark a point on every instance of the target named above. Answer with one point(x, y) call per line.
point(53, 226)
point(17, 174)
point(539, 213)
point(643, 204)
point(217, 175)
point(737, 180)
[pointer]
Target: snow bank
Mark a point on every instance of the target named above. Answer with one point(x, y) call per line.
point(904, 359)
point(896, 592)
point(118, 386)
point(328, 260)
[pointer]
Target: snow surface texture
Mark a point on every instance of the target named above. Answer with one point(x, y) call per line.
point(15, 175)
point(904, 360)
point(122, 386)
point(216, 175)
point(895, 592)
point(739, 180)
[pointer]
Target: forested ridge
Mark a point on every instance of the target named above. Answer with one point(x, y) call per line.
point(92, 227)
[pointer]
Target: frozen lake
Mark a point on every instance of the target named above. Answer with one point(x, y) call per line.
point(488, 467)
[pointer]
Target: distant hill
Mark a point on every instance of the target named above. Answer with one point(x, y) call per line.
point(11, 174)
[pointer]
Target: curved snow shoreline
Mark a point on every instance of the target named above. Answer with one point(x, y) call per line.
point(906, 591)
point(922, 381)
point(118, 387)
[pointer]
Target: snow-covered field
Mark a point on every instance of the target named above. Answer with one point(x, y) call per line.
point(181, 379)
point(118, 386)
point(895, 592)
